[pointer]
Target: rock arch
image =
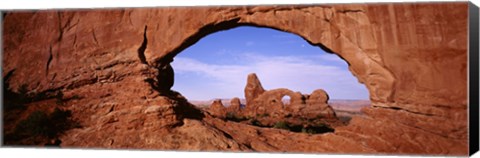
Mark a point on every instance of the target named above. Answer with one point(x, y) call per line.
point(271, 100)
point(372, 46)
point(286, 100)
point(378, 80)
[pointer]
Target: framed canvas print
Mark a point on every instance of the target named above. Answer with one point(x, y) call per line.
point(324, 78)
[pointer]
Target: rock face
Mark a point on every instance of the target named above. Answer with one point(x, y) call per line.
point(297, 113)
point(235, 106)
point(271, 103)
point(317, 103)
point(217, 109)
point(253, 89)
point(412, 57)
point(262, 102)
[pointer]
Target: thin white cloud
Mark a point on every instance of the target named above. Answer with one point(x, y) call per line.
point(298, 73)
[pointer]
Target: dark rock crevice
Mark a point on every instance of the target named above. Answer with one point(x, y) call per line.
point(60, 27)
point(143, 47)
point(50, 57)
point(95, 37)
point(64, 27)
point(350, 11)
point(406, 110)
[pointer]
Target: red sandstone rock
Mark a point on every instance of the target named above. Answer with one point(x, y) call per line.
point(217, 109)
point(317, 105)
point(253, 88)
point(270, 103)
point(235, 106)
point(269, 108)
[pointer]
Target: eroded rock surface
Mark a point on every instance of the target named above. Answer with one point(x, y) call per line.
point(217, 109)
point(235, 106)
point(412, 57)
point(283, 108)
point(272, 103)
point(317, 103)
point(253, 89)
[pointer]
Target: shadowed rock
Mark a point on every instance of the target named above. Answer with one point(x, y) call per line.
point(165, 78)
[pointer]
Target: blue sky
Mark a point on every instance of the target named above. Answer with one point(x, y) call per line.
point(217, 66)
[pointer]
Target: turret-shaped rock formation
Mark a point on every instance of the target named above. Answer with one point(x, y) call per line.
point(253, 89)
point(261, 102)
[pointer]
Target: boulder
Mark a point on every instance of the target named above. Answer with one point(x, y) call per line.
point(235, 106)
point(217, 109)
point(317, 105)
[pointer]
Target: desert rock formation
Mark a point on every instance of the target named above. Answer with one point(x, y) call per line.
point(268, 108)
point(235, 106)
point(253, 88)
point(271, 102)
point(318, 101)
point(217, 109)
point(412, 57)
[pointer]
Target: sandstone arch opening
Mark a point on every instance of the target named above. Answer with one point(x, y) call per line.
point(191, 57)
point(214, 70)
point(286, 100)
